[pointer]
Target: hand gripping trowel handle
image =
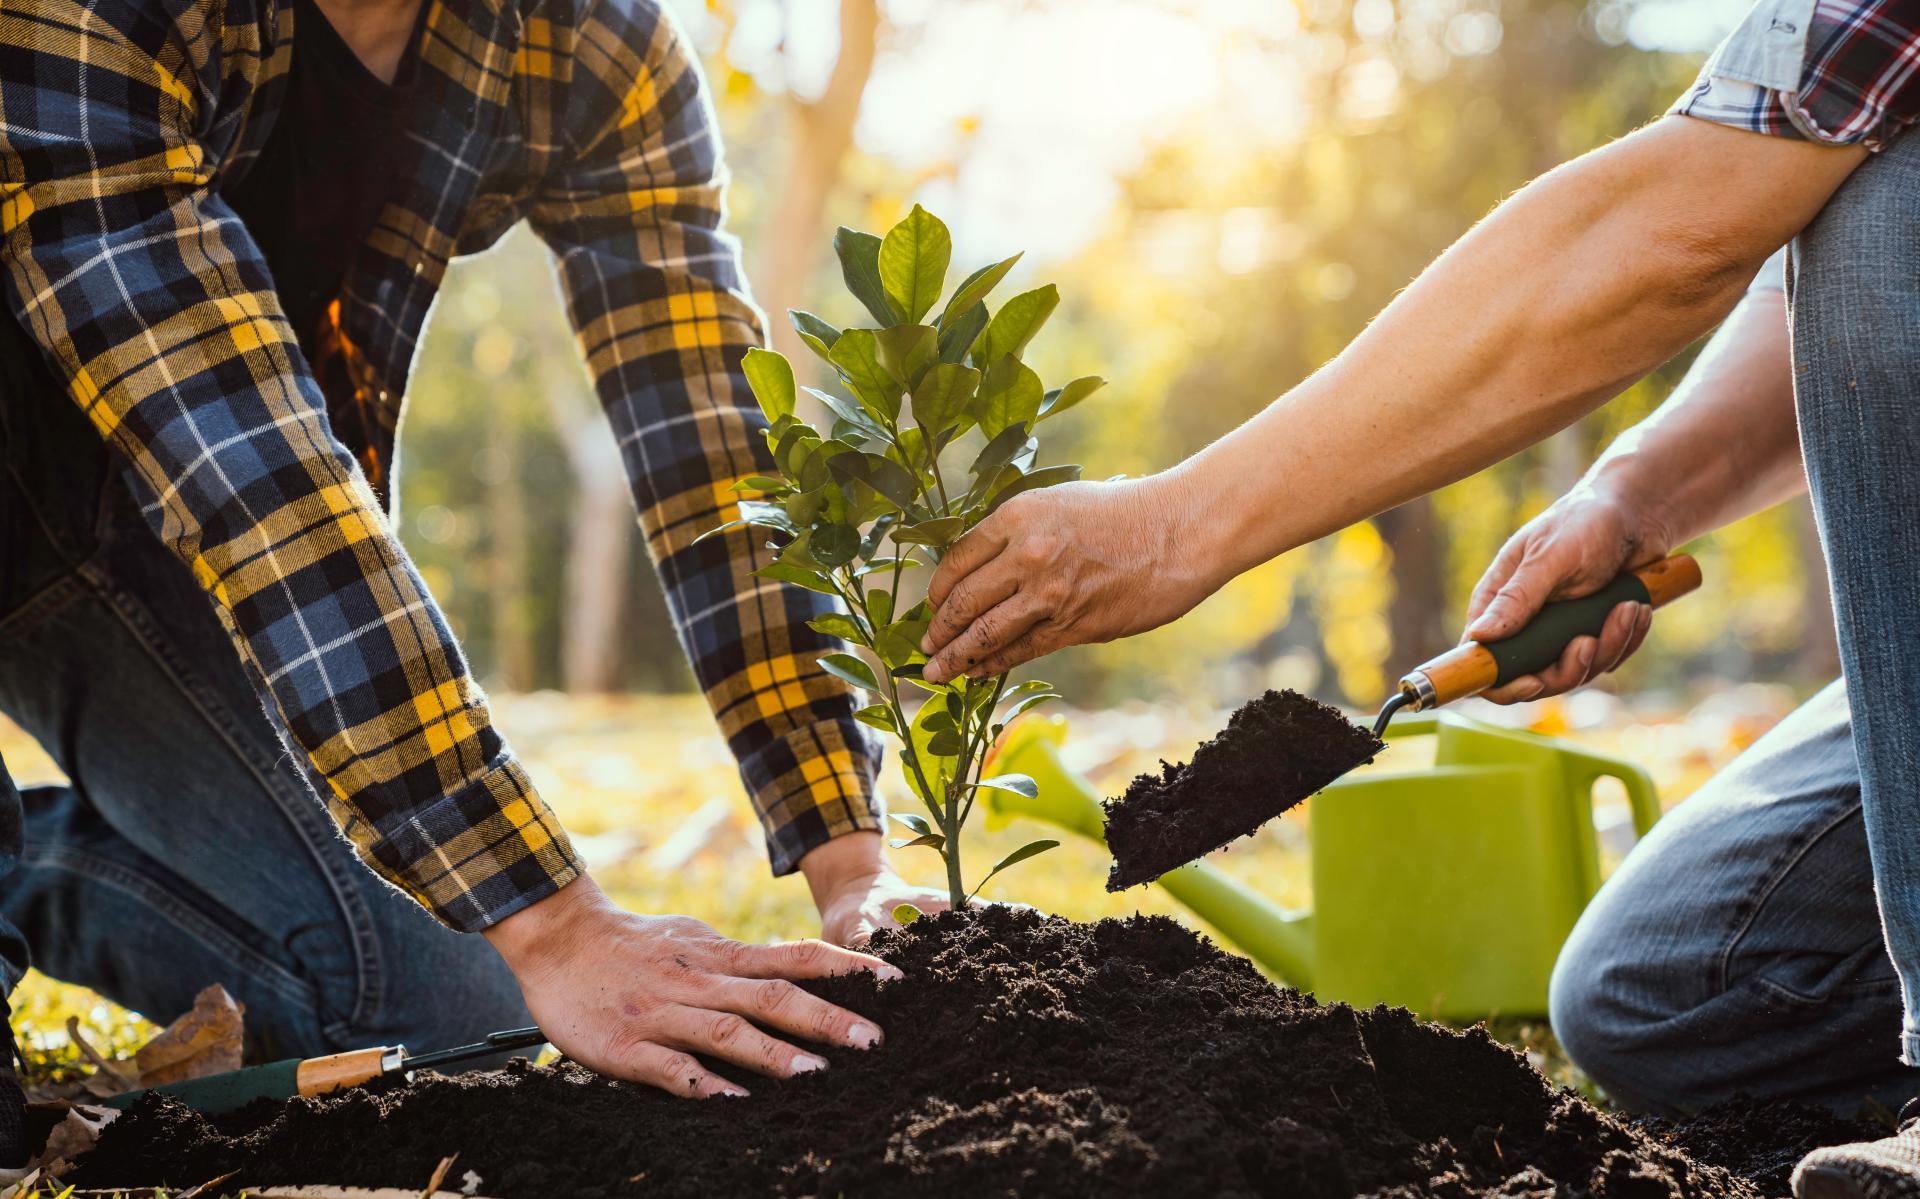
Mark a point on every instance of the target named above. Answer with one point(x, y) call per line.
point(1475, 666)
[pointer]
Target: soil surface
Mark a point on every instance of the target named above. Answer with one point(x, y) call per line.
point(1026, 1055)
point(1274, 752)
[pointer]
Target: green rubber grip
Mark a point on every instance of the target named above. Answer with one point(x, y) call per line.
point(227, 1092)
point(1541, 643)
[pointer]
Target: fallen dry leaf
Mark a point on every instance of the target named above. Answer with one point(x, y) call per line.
point(206, 1040)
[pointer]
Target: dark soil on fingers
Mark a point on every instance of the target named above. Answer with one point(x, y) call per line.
point(1026, 1056)
point(1275, 751)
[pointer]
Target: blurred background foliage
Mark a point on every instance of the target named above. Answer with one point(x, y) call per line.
point(1225, 191)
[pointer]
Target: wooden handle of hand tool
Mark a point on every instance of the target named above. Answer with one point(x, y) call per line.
point(318, 1075)
point(1473, 666)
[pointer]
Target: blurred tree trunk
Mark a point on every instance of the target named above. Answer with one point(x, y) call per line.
point(1417, 617)
point(599, 542)
point(513, 653)
point(822, 135)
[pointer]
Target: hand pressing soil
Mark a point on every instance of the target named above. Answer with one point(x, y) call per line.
point(1274, 752)
point(1025, 1056)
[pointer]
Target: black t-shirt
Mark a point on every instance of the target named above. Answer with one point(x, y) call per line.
point(328, 166)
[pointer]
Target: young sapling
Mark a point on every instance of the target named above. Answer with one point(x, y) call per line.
point(935, 431)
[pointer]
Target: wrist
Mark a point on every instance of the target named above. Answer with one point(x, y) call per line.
point(1200, 545)
point(1633, 488)
point(850, 858)
point(549, 930)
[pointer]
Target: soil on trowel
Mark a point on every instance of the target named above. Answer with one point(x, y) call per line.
point(1025, 1055)
point(1274, 752)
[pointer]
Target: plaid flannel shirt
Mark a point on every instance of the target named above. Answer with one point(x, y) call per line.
point(121, 121)
point(1833, 71)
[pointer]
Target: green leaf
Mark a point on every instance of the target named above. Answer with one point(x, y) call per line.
point(804, 506)
point(1010, 394)
point(958, 336)
point(913, 262)
point(848, 414)
point(879, 606)
point(1025, 702)
point(1031, 849)
point(773, 516)
point(771, 377)
point(859, 255)
point(906, 913)
point(940, 722)
point(836, 624)
point(937, 768)
point(818, 334)
point(759, 483)
point(945, 743)
point(799, 576)
point(835, 545)
point(853, 670)
point(1046, 476)
point(857, 357)
point(1062, 398)
point(972, 290)
point(932, 840)
point(717, 530)
point(1016, 323)
point(939, 532)
point(906, 352)
point(943, 395)
point(1004, 447)
point(879, 564)
point(878, 716)
point(884, 475)
point(912, 823)
point(1019, 784)
point(898, 648)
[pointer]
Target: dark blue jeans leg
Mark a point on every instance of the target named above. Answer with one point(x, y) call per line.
point(1737, 949)
point(1855, 306)
point(188, 846)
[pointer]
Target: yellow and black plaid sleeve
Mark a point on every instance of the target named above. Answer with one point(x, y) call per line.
point(153, 304)
point(656, 293)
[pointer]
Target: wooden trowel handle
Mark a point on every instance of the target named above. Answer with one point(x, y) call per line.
point(1474, 666)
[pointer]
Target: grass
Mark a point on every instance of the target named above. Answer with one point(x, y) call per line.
point(647, 788)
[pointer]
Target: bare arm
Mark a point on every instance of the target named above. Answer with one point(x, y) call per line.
point(1573, 288)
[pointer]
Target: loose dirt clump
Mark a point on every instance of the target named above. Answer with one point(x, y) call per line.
point(1025, 1055)
point(1275, 751)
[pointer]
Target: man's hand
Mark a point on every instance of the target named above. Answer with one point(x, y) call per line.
point(856, 890)
point(636, 996)
point(1068, 565)
point(1574, 548)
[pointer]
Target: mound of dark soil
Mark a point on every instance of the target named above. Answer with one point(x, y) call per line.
point(1026, 1056)
point(1760, 1141)
point(1275, 751)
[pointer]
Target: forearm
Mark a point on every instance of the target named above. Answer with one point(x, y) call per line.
point(1575, 287)
point(1725, 445)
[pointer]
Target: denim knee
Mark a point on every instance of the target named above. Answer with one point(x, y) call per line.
point(1615, 1043)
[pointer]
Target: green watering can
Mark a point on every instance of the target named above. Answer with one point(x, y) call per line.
point(1446, 890)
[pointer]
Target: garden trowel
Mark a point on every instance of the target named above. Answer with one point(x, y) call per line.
point(318, 1075)
point(1283, 747)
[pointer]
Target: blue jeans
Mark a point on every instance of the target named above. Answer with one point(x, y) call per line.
point(189, 847)
point(1741, 947)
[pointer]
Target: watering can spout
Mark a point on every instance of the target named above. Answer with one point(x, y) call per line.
point(1279, 940)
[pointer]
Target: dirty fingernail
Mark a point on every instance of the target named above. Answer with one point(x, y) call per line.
point(806, 1063)
point(863, 1036)
point(888, 973)
point(729, 1091)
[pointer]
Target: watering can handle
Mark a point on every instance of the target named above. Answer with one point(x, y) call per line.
point(1585, 768)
